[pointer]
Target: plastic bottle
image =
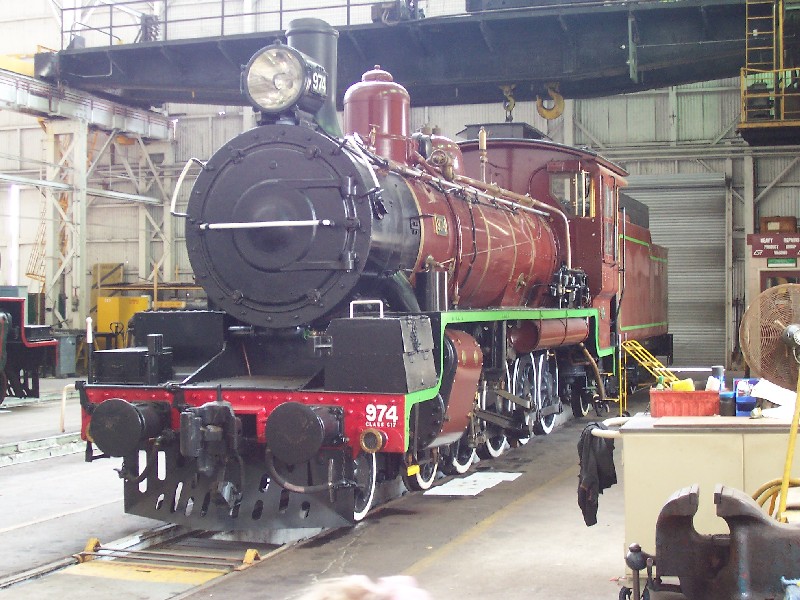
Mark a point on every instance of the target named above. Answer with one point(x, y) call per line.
point(718, 372)
point(660, 382)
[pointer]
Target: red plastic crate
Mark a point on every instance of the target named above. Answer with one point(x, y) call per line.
point(669, 403)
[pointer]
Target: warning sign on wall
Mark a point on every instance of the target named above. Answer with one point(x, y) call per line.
point(775, 245)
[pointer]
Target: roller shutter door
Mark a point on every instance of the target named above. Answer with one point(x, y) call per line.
point(687, 216)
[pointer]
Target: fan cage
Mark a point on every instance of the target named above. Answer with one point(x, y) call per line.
point(761, 331)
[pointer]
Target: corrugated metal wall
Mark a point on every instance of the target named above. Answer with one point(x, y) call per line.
point(687, 215)
point(697, 113)
point(782, 198)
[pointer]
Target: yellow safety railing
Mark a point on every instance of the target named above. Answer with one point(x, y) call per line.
point(770, 95)
point(647, 361)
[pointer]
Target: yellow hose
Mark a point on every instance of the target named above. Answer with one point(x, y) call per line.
point(787, 467)
point(769, 492)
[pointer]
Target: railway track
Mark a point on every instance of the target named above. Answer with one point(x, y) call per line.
point(161, 562)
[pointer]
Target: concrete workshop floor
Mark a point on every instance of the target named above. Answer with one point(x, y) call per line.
point(518, 540)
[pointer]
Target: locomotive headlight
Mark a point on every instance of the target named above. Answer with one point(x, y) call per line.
point(279, 77)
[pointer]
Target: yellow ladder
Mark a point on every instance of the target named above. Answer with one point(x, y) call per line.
point(762, 36)
point(647, 361)
point(36, 266)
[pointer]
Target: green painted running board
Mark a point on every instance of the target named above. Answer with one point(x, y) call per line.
point(457, 317)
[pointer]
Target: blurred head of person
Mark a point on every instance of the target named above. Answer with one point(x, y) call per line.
point(360, 587)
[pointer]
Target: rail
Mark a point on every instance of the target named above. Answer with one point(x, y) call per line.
point(109, 22)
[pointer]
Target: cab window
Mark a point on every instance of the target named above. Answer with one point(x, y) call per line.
point(609, 212)
point(574, 191)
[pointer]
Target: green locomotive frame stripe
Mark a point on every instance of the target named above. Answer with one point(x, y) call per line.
point(494, 315)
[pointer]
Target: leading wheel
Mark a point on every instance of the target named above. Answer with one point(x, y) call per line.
point(365, 475)
point(424, 478)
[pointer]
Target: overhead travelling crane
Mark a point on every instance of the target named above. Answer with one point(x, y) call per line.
point(590, 49)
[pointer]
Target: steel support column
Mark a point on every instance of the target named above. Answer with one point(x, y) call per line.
point(67, 284)
point(748, 217)
point(156, 224)
point(729, 335)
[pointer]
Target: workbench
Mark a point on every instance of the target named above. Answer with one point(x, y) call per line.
point(662, 455)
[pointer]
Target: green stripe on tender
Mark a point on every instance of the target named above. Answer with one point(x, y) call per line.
point(645, 244)
point(635, 241)
point(645, 326)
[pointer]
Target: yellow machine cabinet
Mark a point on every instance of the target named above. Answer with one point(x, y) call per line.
point(118, 309)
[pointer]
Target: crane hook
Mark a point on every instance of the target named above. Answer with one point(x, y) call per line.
point(509, 102)
point(558, 103)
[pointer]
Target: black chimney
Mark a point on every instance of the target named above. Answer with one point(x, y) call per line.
point(318, 40)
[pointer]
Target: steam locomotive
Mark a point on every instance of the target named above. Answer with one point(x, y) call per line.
point(383, 305)
point(24, 350)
